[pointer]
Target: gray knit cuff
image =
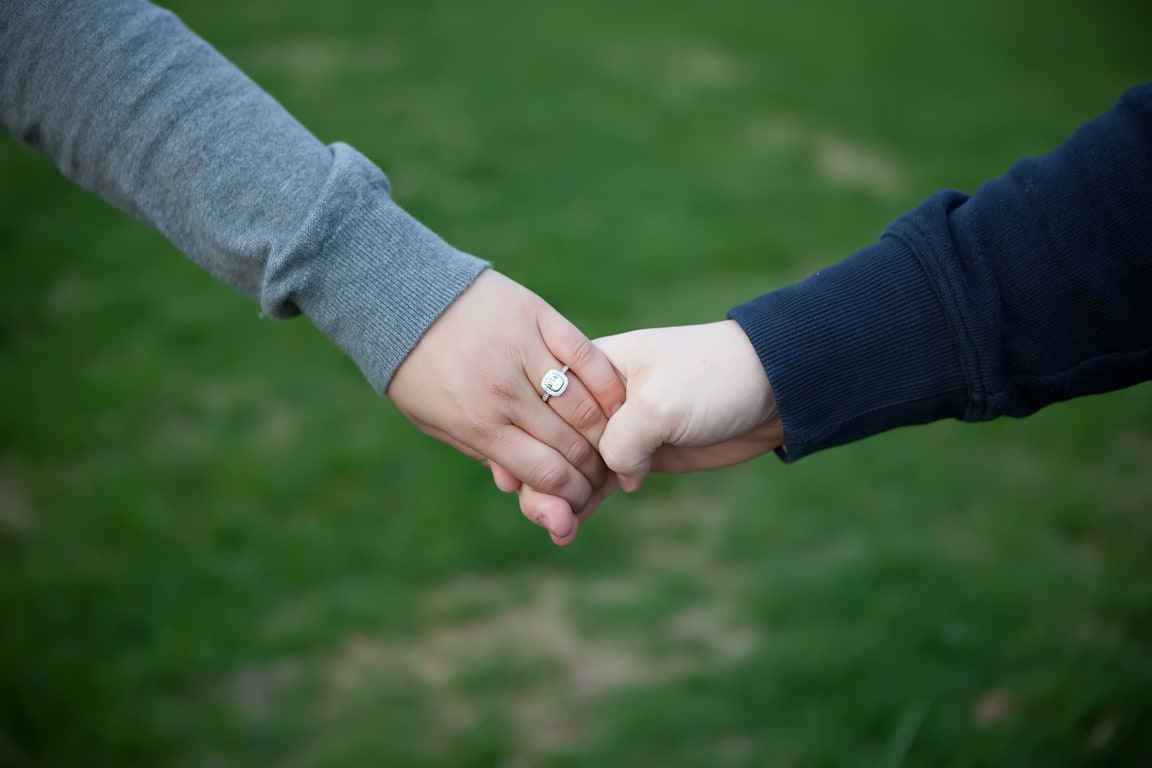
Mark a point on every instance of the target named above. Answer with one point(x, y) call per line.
point(368, 275)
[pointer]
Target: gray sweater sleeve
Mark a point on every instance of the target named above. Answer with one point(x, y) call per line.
point(133, 106)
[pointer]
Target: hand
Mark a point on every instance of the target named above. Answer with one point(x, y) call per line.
point(473, 381)
point(697, 399)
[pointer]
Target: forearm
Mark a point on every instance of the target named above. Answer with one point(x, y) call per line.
point(1037, 288)
point(133, 106)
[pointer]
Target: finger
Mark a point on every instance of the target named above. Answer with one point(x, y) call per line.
point(504, 479)
point(568, 344)
point(629, 441)
point(557, 516)
point(757, 442)
point(599, 496)
point(579, 409)
point(529, 413)
point(542, 421)
point(531, 418)
point(538, 465)
point(521, 453)
point(551, 513)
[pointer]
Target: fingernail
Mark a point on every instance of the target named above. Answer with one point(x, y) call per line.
point(542, 521)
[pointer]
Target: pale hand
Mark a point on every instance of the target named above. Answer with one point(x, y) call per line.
point(697, 399)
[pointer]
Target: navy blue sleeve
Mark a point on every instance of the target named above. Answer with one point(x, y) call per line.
point(1037, 288)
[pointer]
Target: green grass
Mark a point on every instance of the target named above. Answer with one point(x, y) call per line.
point(219, 548)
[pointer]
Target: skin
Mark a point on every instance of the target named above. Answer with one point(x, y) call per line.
point(697, 399)
point(473, 381)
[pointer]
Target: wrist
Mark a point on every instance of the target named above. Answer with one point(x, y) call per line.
point(747, 369)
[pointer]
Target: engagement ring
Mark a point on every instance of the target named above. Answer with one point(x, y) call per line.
point(554, 383)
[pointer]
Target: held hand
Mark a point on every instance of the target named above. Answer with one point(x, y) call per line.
point(473, 381)
point(697, 399)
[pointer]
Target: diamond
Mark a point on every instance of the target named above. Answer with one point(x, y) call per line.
point(554, 383)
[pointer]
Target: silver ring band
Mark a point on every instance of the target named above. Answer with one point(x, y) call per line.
point(554, 383)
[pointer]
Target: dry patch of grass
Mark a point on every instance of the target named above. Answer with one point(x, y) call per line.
point(15, 514)
point(524, 623)
point(841, 161)
point(672, 70)
point(851, 164)
point(257, 691)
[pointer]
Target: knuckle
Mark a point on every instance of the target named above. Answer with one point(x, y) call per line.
point(587, 417)
point(552, 478)
point(563, 481)
point(583, 455)
point(583, 354)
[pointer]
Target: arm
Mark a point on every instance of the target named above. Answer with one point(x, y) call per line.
point(1036, 289)
point(133, 106)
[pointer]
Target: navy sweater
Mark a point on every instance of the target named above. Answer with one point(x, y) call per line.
point(1036, 288)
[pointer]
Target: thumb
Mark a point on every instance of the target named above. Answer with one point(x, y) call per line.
point(628, 443)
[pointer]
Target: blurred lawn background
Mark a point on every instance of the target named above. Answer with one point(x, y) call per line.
point(219, 548)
